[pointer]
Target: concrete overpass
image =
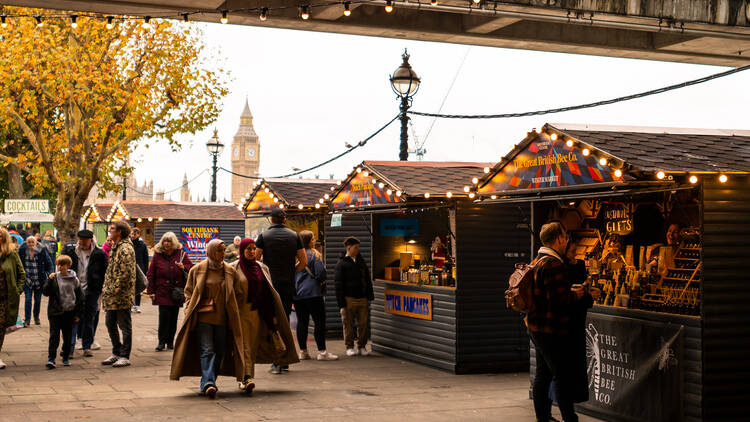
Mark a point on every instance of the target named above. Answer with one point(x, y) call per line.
point(713, 32)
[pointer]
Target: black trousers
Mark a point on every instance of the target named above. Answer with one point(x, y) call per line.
point(305, 308)
point(60, 324)
point(168, 324)
point(120, 319)
point(286, 293)
point(554, 360)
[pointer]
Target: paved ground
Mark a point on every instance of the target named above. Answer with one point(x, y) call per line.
point(360, 388)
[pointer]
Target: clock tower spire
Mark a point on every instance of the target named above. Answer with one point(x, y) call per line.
point(245, 155)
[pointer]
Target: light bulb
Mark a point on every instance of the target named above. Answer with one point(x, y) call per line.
point(74, 21)
point(224, 18)
point(398, 193)
point(321, 200)
point(304, 12)
point(553, 137)
point(434, 2)
point(466, 189)
point(493, 197)
point(381, 185)
point(448, 194)
point(39, 22)
point(618, 173)
point(389, 192)
point(109, 22)
point(693, 179)
point(366, 173)
point(3, 23)
point(317, 206)
point(326, 196)
point(147, 22)
point(486, 170)
point(475, 180)
point(603, 161)
point(300, 206)
point(281, 206)
point(472, 195)
point(723, 178)
point(586, 152)
point(569, 143)
point(660, 175)
point(359, 170)
point(476, 1)
point(426, 195)
point(264, 14)
point(388, 6)
point(347, 10)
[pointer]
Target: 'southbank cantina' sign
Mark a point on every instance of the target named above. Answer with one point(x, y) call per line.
point(408, 304)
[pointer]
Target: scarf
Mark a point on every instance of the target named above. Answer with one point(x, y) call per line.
point(211, 248)
point(550, 251)
point(258, 294)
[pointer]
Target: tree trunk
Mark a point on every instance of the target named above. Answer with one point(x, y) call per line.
point(15, 184)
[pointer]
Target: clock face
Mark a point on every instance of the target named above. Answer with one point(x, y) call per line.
point(251, 152)
point(236, 152)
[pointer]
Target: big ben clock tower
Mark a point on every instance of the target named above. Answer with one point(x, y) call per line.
point(245, 156)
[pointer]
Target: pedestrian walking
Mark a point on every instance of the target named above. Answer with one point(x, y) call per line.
point(141, 258)
point(264, 323)
point(209, 342)
point(118, 293)
point(281, 250)
point(90, 264)
point(308, 300)
point(38, 266)
point(21, 232)
point(12, 279)
point(65, 303)
point(353, 294)
point(167, 276)
point(50, 242)
point(549, 326)
point(233, 250)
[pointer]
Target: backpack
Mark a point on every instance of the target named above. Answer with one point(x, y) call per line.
point(520, 293)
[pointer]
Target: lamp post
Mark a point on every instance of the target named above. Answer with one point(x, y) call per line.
point(214, 147)
point(405, 84)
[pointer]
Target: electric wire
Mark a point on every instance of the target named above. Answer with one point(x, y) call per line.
point(588, 105)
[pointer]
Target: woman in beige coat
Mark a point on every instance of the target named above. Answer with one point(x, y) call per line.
point(262, 315)
point(210, 340)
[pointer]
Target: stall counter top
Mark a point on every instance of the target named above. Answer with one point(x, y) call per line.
point(688, 320)
point(426, 286)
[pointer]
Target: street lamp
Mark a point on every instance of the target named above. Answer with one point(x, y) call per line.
point(214, 147)
point(405, 84)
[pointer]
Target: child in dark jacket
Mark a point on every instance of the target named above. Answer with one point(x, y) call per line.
point(65, 302)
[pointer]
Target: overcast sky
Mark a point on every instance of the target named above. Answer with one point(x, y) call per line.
point(312, 92)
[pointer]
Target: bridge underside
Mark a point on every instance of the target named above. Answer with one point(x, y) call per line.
point(713, 32)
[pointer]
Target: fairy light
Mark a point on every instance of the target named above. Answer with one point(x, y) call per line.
point(433, 2)
point(660, 175)
point(398, 193)
point(586, 152)
point(304, 12)
point(381, 185)
point(147, 22)
point(110, 25)
point(603, 161)
point(389, 6)
point(693, 179)
point(449, 194)
point(475, 180)
point(151, 219)
point(275, 200)
point(300, 206)
point(472, 195)
point(476, 1)
point(493, 197)
point(427, 195)
point(74, 21)
point(570, 143)
point(162, 218)
point(39, 22)
point(553, 137)
point(140, 220)
point(265, 190)
point(3, 22)
point(359, 170)
point(618, 173)
point(723, 178)
point(317, 206)
point(271, 195)
point(466, 189)
point(263, 14)
point(326, 196)
point(281, 206)
point(347, 10)
point(321, 200)
point(366, 173)
point(389, 192)
point(224, 19)
point(486, 170)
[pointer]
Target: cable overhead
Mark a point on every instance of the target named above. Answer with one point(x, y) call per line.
point(588, 105)
point(334, 158)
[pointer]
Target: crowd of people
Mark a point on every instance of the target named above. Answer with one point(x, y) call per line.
point(237, 302)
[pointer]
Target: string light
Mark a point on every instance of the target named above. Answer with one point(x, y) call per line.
point(434, 2)
point(366, 173)
point(185, 17)
point(449, 194)
point(317, 206)
point(265, 190)
point(475, 180)
point(693, 179)
point(472, 195)
point(398, 193)
point(389, 192)
point(3, 23)
point(586, 152)
point(271, 195)
point(347, 10)
point(109, 22)
point(304, 12)
point(74, 21)
point(388, 6)
point(723, 178)
point(570, 143)
point(466, 189)
point(224, 19)
point(427, 195)
point(486, 170)
point(326, 196)
point(476, 1)
point(493, 197)
point(162, 218)
point(264, 14)
point(381, 185)
point(553, 137)
point(39, 22)
point(147, 22)
point(300, 206)
point(618, 173)
point(321, 200)
point(281, 206)
point(151, 219)
point(359, 170)
point(275, 200)
point(660, 175)
point(603, 161)
point(140, 220)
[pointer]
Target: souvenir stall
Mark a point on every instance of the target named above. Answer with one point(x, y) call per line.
point(661, 219)
point(434, 302)
point(194, 223)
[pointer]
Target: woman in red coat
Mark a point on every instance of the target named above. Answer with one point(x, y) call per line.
point(169, 268)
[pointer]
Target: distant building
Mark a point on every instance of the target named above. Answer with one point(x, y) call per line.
point(245, 156)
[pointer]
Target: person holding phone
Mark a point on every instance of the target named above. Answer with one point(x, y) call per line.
point(167, 272)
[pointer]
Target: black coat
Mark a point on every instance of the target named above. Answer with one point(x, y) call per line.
point(141, 254)
point(94, 272)
point(54, 307)
point(577, 274)
point(352, 279)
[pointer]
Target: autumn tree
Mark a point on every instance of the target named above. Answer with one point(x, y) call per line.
point(84, 97)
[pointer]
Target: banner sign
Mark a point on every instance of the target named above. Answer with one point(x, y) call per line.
point(262, 201)
point(194, 240)
point(618, 218)
point(545, 163)
point(634, 368)
point(362, 191)
point(399, 227)
point(408, 304)
point(13, 206)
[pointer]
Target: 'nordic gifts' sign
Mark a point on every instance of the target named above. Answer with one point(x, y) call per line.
point(194, 240)
point(408, 304)
point(545, 163)
point(363, 191)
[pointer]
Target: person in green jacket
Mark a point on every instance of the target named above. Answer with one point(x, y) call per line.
point(12, 279)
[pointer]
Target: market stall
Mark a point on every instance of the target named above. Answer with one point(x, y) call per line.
point(33, 214)
point(661, 219)
point(194, 223)
point(433, 302)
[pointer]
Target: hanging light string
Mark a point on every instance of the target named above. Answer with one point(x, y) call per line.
point(588, 105)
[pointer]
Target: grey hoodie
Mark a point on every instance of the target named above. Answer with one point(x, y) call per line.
point(67, 285)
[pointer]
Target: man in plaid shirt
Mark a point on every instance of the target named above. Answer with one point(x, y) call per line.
point(549, 325)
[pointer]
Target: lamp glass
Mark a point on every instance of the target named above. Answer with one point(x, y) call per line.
point(405, 80)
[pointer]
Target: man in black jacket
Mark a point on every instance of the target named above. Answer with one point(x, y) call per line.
point(353, 294)
point(141, 259)
point(90, 263)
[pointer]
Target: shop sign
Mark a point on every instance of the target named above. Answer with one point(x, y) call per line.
point(399, 227)
point(362, 191)
point(194, 240)
point(545, 163)
point(13, 206)
point(336, 220)
point(408, 304)
point(618, 218)
point(262, 201)
point(634, 368)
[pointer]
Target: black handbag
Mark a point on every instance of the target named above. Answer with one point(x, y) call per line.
point(178, 295)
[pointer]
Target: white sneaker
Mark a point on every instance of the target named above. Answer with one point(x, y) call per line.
point(351, 352)
point(303, 355)
point(110, 360)
point(121, 362)
point(135, 309)
point(2, 364)
point(327, 356)
point(363, 351)
point(95, 346)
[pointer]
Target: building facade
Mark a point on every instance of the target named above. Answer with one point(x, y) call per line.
point(245, 156)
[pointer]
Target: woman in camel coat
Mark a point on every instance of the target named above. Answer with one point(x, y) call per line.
point(210, 340)
point(261, 314)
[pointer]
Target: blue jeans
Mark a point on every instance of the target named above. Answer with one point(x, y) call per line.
point(211, 339)
point(28, 292)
